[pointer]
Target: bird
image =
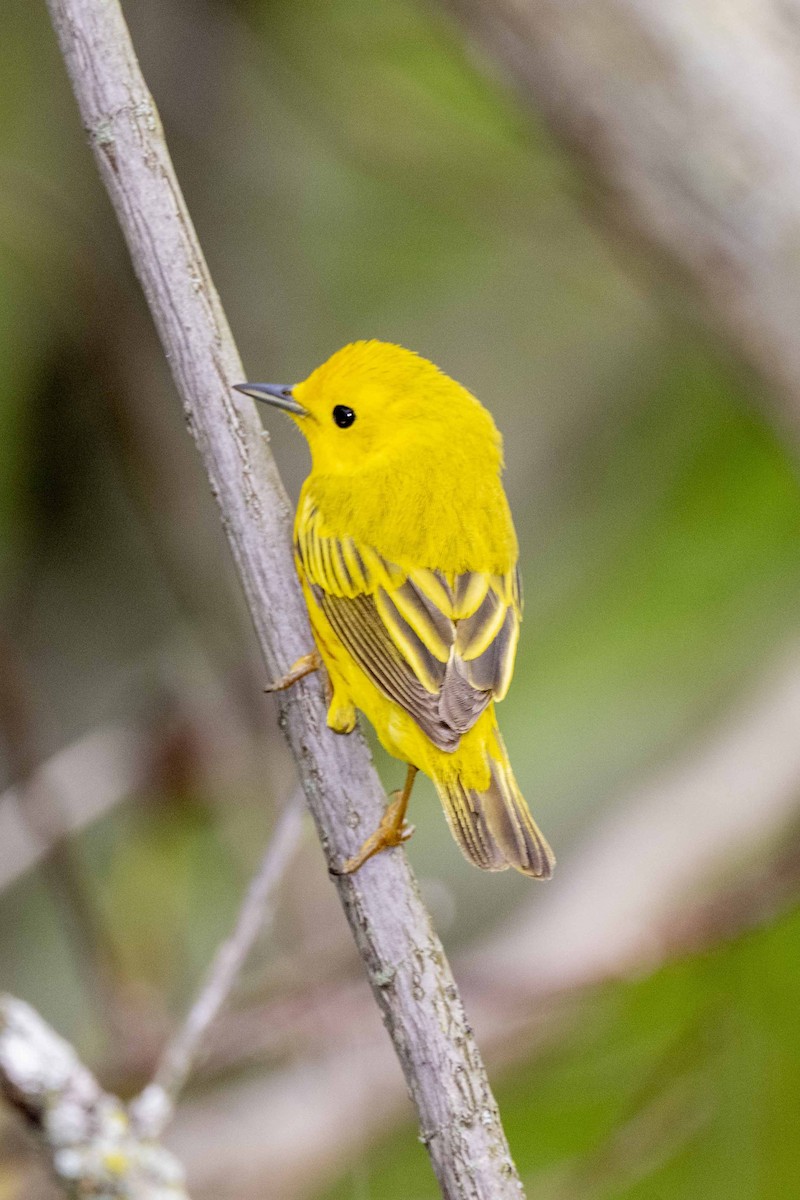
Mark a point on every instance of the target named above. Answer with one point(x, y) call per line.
point(408, 560)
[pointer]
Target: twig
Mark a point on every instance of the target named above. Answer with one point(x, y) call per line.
point(93, 1147)
point(404, 959)
point(41, 812)
point(154, 1108)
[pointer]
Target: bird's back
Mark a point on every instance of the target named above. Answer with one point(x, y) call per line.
point(437, 506)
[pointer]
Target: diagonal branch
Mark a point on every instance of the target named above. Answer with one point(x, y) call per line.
point(404, 959)
point(686, 114)
point(154, 1108)
point(670, 895)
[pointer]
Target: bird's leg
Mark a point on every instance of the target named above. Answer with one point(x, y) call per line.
point(392, 830)
point(305, 665)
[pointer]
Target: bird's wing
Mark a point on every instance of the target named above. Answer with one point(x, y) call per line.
point(439, 646)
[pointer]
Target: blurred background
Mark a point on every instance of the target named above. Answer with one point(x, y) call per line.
point(360, 170)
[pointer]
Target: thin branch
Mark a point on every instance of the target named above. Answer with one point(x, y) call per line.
point(596, 926)
point(154, 1108)
point(404, 959)
point(40, 809)
point(91, 776)
point(94, 1149)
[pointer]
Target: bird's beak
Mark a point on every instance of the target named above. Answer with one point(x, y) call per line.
point(276, 394)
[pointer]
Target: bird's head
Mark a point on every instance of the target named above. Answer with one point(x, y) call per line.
point(373, 402)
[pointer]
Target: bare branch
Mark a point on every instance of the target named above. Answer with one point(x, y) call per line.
point(737, 793)
point(40, 810)
point(91, 776)
point(687, 114)
point(410, 977)
point(93, 1147)
point(723, 804)
point(156, 1105)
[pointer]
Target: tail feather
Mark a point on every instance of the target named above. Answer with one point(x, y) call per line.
point(494, 828)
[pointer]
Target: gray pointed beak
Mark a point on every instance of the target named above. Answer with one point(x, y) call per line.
point(276, 394)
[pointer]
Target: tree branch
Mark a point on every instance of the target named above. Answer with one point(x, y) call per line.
point(687, 114)
point(94, 1149)
point(91, 776)
point(405, 962)
point(669, 895)
point(154, 1108)
point(724, 802)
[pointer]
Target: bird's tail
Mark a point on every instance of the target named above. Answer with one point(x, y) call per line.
point(494, 828)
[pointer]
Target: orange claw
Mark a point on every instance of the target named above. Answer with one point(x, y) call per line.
point(392, 831)
point(305, 665)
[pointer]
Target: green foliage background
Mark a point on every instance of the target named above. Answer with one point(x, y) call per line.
point(355, 170)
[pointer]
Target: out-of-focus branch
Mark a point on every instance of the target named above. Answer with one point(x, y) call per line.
point(41, 813)
point(405, 961)
point(657, 853)
point(687, 113)
point(731, 799)
point(94, 1149)
point(90, 777)
point(156, 1105)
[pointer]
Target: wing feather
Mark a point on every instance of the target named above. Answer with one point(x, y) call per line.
point(492, 668)
point(428, 667)
point(439, 646)
point(469, 592)
point(477, 633)
point(432, 624)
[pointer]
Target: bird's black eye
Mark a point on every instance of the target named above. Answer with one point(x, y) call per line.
point(343, 416)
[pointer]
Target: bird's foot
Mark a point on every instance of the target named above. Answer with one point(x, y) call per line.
point(305, 665)
point(392, 831)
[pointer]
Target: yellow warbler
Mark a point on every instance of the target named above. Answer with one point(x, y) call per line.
point(407, 555)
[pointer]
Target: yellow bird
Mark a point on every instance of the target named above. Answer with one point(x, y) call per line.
point(407, 555)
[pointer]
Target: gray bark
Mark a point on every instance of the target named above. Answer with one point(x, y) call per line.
point(736, 793)
point(405, 962)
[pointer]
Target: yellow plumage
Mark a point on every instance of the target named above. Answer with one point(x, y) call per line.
point(407, 555)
